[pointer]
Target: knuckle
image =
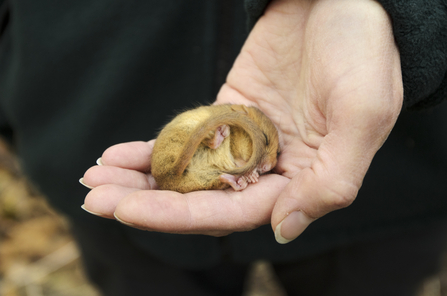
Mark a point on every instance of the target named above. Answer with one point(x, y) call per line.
point(339, 197)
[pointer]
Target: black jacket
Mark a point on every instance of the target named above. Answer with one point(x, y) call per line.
point(79, 76)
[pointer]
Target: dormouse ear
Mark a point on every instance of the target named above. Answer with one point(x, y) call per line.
point(240, 108)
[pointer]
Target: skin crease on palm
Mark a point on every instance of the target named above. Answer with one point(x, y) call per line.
point(327, 72)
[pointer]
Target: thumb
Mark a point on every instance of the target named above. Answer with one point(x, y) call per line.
point(331, 182)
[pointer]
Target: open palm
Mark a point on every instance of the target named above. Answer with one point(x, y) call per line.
point(327, 73)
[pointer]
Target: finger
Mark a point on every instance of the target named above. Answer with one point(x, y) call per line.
point(215, 213)
point(131, 155)
point(335, 175)
point(312, 193)
point(102, 201)
point(101, 175)
point(360, 112)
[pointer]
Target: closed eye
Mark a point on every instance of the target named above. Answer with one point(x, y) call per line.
point(266, 140)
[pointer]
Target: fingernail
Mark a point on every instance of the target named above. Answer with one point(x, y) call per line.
point(82, 182)
point(124, 222)
point(99, 161)
point(127, 223)
point(121, 221)
point(291, 227)
point(93, 213)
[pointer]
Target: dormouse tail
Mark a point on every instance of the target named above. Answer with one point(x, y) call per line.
point(230, 118)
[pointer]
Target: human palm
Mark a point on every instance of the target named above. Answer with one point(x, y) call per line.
point(327, 73)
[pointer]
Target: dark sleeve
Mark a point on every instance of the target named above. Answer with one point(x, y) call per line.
point(420, 31)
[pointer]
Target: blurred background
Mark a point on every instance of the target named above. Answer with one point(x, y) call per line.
point(37, 253)
point(38, 256)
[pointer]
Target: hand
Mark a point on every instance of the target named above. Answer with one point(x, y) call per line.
point(327, 73)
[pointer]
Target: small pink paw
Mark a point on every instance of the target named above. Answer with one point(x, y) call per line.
point(242, 181)
point(238, 183)
point(221, 133)
point(252, 177)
